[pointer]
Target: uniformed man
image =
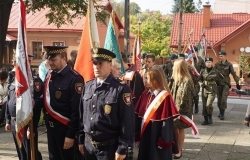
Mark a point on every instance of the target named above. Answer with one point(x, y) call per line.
point(63, 88)
point(108, 112)
point(199, 64)
point(207, 80)
point(168, 69)
point(10, 115)
point(223, 85)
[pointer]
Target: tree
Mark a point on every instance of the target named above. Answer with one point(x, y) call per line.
point(244, 64)
point(155, 33)
point(61, 12)
point(188, 6)
point(199, 8)
point(119, 8)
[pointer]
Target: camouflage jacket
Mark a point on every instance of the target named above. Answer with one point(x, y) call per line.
point(209, 79)
point(183, 97)
point(168, 70)
point(199, 65)
point(224, 70)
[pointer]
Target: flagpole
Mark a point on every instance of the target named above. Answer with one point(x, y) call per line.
point(32, 143)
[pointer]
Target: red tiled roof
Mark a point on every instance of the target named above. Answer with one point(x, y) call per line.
point(10, 38)
point(221, 27)
point(38, 22)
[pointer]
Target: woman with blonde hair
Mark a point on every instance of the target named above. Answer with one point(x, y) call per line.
point(155, 113)
point(182, 93)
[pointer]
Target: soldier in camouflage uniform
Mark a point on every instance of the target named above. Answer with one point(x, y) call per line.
point(199, 65)
point(207, 79)
point(223, 85)
point(168, 67)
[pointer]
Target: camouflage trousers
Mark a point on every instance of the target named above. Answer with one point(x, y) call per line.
point(207, 101)
point(222, 94)
point(196, 93)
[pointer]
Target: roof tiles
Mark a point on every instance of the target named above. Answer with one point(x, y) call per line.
point(221, 25)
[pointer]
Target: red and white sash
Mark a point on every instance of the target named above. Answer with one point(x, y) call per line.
point(191, 124)
point(51, 112)
point(154, 105)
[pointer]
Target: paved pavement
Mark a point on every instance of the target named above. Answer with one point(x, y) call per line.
point(224, 140)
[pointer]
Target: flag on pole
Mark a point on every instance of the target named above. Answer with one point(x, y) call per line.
point(136, 60)
point(200, 49)
point(111, 42)
point(89, 39)
point(23, 78)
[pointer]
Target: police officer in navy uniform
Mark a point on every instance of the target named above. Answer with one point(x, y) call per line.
point(10, 115)
point(108, 112)
point(62, 91)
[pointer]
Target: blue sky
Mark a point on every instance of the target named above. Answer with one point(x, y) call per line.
point(165, 6)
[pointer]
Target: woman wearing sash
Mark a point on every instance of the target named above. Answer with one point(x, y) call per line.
point(182, 92)
point(155, 112)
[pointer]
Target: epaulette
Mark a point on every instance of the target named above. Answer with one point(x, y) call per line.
point(90, 80)
point(119, 81)
point(74, 72)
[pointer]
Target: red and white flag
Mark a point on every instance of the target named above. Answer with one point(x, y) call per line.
point(137, 53)
point(23, 79)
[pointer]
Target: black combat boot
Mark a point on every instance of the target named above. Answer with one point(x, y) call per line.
point(196, 108)
point(222, 114)
point(219, 113)
point(210, 120)
point(205, 121)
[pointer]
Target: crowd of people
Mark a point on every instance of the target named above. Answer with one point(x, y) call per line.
point(114, 114)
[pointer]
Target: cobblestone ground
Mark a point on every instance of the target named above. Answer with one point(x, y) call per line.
point(224, 140)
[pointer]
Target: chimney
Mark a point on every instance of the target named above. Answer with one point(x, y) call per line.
point(206, 15)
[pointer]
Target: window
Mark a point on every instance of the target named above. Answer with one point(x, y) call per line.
point(58, 44)
point(37, 50)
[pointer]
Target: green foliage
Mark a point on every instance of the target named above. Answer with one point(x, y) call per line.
point(119, 8)
point(199, 7)
point(244, 64)
point(64, 11)
point(155, 33)
point(188, 6)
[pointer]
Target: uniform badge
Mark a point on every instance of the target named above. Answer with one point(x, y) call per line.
point(37, 86)
point(78, 87)
point(127, 98)
point(107, 109)
point(58, 94)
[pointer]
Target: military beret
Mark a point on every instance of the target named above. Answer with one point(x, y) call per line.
point(52, 51)
point(181, 55)
point(143, 55)
point(222, 53)
point(173, 56)
point(102, 54)
point(209, 59)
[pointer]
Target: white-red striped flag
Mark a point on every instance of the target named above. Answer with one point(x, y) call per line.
point(137, 53)
point(23, 77)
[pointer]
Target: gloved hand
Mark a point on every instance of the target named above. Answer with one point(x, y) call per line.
point(203, 85)
point(238, 86)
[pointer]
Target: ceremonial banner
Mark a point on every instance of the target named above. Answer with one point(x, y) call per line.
point(111, 42)
point(23, 78)
point(137, 53)
point(89, 39)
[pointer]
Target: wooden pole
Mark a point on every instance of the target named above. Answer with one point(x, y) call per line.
point(180, 27)
point(32, 144)
point(126, 28)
